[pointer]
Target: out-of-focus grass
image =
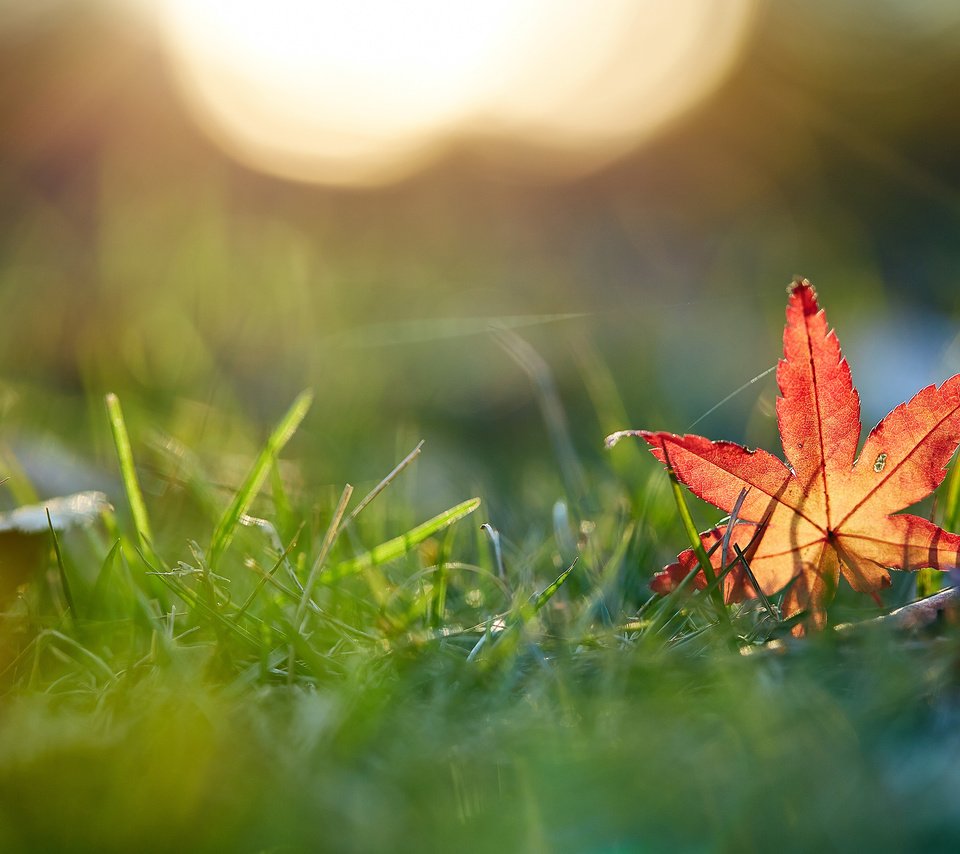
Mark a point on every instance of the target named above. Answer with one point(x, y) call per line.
point(609, 750)
point(430, 693)
point(170, 703)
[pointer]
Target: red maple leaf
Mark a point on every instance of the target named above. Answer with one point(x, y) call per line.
point(827, 513)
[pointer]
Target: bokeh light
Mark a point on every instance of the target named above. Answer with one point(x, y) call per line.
point(367, 91)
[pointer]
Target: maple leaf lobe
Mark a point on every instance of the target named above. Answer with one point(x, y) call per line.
point(807, 294)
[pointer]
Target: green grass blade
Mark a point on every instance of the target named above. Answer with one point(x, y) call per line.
point(693, 535)
point(93, 662)
point(128, 473)
point(951, 510)
point(282, 508)
point(196, 603)
point(67, 594)
point(438, 602)
point(268, 574)
point(929, 581)
point(504, 643)
point(547, 593)
point(667, 607)
point(105, 577)
point(282, 433)
point(399, 546)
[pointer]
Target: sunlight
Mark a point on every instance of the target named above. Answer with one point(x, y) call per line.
point(366, 91)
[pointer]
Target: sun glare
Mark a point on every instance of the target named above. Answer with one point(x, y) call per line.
point(363, 91)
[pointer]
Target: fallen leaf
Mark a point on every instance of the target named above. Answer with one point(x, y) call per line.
point(829, 512)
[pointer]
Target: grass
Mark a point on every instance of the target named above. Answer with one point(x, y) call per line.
point(459, 650)
point(315, 677)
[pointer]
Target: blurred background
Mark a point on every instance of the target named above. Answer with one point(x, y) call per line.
point(207, 206)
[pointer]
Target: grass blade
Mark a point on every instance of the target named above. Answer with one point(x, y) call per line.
point(497, 546)
point(951, 516)
point(688, 525)
point(197, 603)
point(227, 526)
point(399, 546)
point(510, 627)
point(62, 569)
point(694, 537)
point(128, 472)
point(665, 608)
point(328, 540)
point(551, 410)
point(756, 584)
point(399, 467)
point(546, 594)
point(104, 580)
point(929, 581)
